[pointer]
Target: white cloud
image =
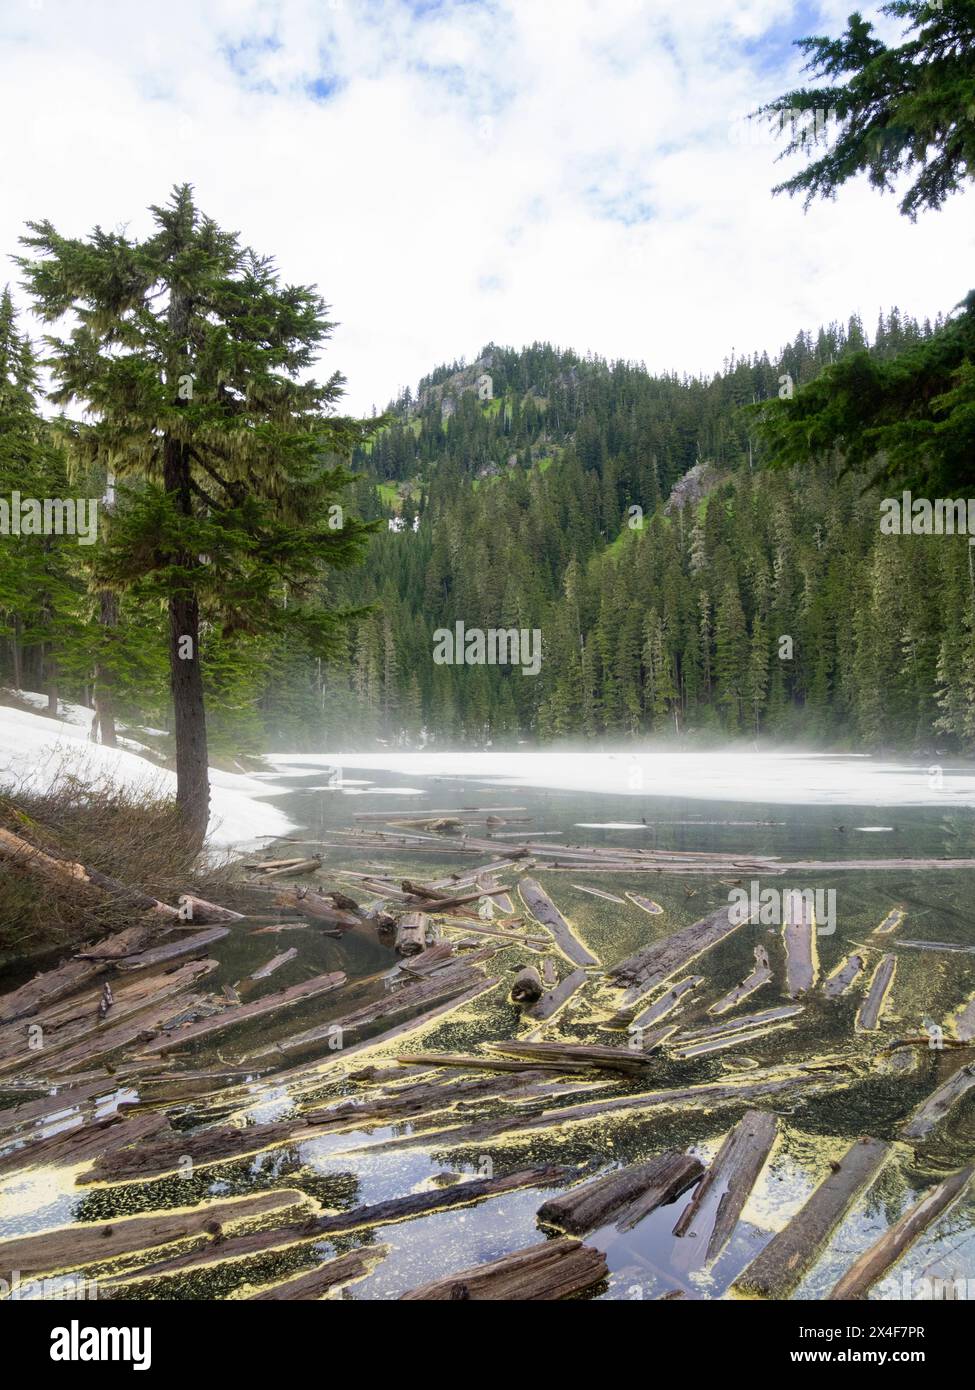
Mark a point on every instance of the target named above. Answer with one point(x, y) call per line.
point(512, 170)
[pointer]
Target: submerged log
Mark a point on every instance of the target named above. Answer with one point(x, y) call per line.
point(840, 980)
point(634, 1191)
point(868, 1017)
point(89, 1243)
point(761, 975)
point(230, 1018)
point(775, 1272)
point(69, 1098)
point(274, 963)
point(542, 1273)
point(527, 987)
point(656, 964)
point(799, 936)
point(727, 1185)
point(865, 1271)
point(932, 1111)
point(313, 1283)
point(598, 893)
point(411, 934)
point(540, 905)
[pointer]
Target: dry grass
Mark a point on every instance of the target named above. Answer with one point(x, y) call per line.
point(135, 839)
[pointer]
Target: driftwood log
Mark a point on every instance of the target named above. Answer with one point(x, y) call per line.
point(555, 1269)
point(627, 1194)
point(717, 1204)
point(783, 1262)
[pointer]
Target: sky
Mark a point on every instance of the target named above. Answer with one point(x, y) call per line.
point(451, 173)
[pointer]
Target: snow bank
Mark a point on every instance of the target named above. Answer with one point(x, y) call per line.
point(783, 778)
point(35, 749)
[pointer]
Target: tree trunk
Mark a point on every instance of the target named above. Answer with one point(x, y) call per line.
point(15, 654)
point(103, 727)
point(185, 670)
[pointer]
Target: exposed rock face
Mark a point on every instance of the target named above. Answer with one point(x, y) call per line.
point(696, 483)
point(448, 392)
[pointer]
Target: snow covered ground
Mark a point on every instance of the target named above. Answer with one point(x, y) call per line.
point(779, 778)
point(35, 749)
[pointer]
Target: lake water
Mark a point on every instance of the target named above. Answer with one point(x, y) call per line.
point(820, 822)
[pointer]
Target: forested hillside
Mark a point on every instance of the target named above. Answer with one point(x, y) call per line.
point(737, 600)
point(680, 586)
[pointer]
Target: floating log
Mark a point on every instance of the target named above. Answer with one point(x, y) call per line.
point(628, 1060)
point(316, 905)
point(840, 980)
point(328, 1275)
point(645, 904)
point(445, 984)
point(488, 883)
point(799, 936)
point(52, 985)
point(598, 893)
point(776, 1271)
point(411, 934)
point(67, 871)
point(726, 1186)
point(659, 1009)
point(542, 1273)
point(433, 958)
point(159, 955)
point(761, 975)
point(746, 1023)
point(932, 1111)
point(868, 1017)
point(937, 946)
point(230, 1018)
point(110, 1037)
point(61, 1025)
point(279, 927)
point(540, 905)
point(311, 1075)
point(396, 1209)
point(69, 1098)
point(550, 1003)
point(475, 1062)
point(92, 1243)
point(865, 1271)
point(74, 1146)
point(274, 963)
point(422, 1098)
point(761, 1083)
point(641, 1187)
point(656, 964)
point(527, 987)
point(199, 910)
